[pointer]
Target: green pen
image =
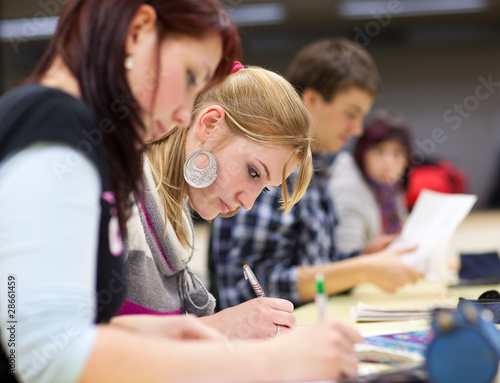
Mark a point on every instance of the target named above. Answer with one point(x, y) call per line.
point(320, 299)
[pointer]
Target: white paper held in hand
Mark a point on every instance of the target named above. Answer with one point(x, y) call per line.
point(432, 222)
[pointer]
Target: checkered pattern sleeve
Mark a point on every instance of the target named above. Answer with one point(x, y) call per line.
point(273, 244)
point(262, 238)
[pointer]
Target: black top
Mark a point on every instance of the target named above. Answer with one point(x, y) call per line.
point(34, 113)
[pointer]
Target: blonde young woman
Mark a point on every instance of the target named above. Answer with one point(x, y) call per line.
point(252, 131)
point(257, 130)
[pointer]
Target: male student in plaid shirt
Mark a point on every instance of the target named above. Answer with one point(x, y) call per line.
point(338, 82)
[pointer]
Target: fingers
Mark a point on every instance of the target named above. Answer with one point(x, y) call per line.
point(341, 335)
point(259, 318)
point(406, 275)
point(391, 237)
point(278, 304)
point(414, 275)
point(284, 319)
point(280, 313)
point(406, 249)
point(342, 339)
point(348, 365)
point(351, 334)
point(324, 350)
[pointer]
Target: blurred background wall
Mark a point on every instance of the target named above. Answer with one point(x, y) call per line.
point(439, 61)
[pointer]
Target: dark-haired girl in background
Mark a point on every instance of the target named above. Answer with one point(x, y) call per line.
point(369, 189)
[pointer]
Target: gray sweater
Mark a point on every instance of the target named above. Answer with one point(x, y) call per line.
point(159, 279)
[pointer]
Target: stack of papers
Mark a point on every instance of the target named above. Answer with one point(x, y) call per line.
point(366, 313)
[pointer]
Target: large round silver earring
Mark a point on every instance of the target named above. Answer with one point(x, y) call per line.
point(201, 178)
point(129, 62)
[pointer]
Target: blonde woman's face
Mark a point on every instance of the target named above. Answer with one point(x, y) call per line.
point(386, 161)
point(245, 169)
point(167, 95)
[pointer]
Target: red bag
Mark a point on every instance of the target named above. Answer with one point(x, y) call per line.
point(441, 176)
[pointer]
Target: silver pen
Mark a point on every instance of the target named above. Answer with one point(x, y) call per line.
point(250, 277)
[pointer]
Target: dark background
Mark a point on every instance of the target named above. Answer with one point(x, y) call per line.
point(432, 55)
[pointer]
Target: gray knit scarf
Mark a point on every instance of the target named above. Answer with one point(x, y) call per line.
point(159, 279)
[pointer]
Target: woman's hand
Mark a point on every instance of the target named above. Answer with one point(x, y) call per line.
point(320, 351)
point(379, 243)
point(256, 318)
point(388, 271)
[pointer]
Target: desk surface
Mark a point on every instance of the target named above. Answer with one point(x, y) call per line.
point(479, 232)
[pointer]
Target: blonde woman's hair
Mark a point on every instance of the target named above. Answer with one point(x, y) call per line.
point(259, 105)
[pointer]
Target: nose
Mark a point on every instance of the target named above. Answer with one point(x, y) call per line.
point(182, 116)
point(389, 157)
point(357, 127)
point(247, 198)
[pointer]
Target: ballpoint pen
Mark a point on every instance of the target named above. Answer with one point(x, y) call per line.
point(320, 297)
point(250, 277)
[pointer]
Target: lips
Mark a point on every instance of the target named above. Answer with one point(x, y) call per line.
point(230, 213)
point(160, 130)
point(225, 207)
point(344, 139)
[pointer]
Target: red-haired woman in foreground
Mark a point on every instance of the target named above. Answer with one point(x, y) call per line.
point(116, 73)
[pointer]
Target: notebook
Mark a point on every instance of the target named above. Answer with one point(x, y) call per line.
point(398, 347)
point(366, 313)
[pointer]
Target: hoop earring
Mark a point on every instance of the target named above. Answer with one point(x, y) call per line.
point(201, 178)
point(129, 62)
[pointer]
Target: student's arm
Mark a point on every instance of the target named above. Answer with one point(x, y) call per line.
point(320, 351)
point(167, 326)
point(275, 245)
point(49, 225)
point(263, 238)
point(384, 269)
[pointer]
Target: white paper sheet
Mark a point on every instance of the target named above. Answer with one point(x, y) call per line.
point(432, 222)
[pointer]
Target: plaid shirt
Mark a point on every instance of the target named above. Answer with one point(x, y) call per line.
point(274, 244)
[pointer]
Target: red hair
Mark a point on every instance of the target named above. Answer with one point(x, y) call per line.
point(90, 39)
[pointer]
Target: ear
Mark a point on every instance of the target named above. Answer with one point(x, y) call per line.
point(311, 98)
point(208, 121)
point(144, 21)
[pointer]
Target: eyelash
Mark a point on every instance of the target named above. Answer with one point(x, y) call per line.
point(253, 173)
point(191, 78)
